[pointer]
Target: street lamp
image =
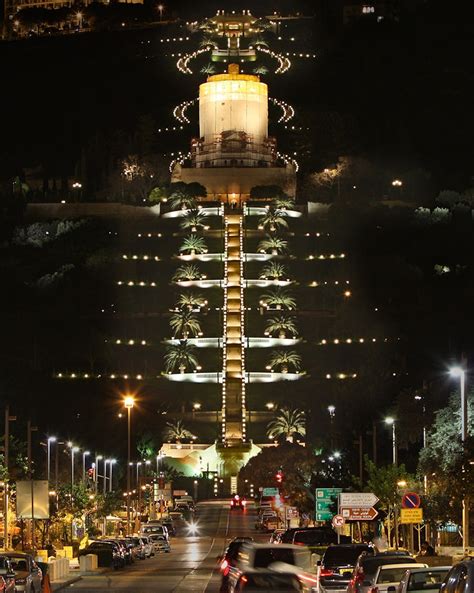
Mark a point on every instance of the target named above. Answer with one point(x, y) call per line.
point(112, 461)
point(332, 411)
point(393, 423)
point(50, 440)
point(84, 455)
point(332, 415)
point(129, 402)
point(106, 461)
point(160, 10)
point(460, 373)
point(96, 471)
point(138, 469)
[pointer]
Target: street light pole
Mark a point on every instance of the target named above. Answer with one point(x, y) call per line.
point(84, 455)
point(50, 440)
point(106, 461)
point(128, 402)
point(393, 423)
point(112, 461)
point(460, 372)
point(96, 472)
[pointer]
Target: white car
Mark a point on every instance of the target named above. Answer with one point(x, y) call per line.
point(160, 543)
point(388, 577)
point(148, 545)
point(418, 580)
point(154, 529)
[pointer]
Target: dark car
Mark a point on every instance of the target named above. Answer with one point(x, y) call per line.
point(337, 565)
point(7, 576)
point(138, 547)
point(107, 552)
point(315, 538)
point(460, 579)
point(168, 523)
point(366, 569)
point(229, 559)
point(126, 548)
point(267, 581)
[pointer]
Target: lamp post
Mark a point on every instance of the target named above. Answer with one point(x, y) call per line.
point(73, 451)
point(460, 373)
point(160, 10)
point(129, 402)
point(332, 414)
point(84, 455)
point(50, 440)
point(96, 471)
point(106, 461)
point(112, 461)
point(393, 423)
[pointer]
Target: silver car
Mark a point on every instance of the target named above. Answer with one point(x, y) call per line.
point(28, 575)
point(418, 580)
point(388, 576)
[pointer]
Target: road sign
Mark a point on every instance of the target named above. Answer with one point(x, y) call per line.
point(411, 500)
point(270, 492)
point(358, 513)
point(358, 499)
point(411, 515)
point(338, 521)
point(326, 501)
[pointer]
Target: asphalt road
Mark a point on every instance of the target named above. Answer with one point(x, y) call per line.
point(191, 565)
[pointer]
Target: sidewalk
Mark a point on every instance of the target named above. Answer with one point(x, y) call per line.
point(63, 583)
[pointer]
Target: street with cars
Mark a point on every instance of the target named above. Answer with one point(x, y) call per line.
point(217, 549)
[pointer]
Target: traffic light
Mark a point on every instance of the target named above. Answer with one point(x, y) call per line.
point(279, 476)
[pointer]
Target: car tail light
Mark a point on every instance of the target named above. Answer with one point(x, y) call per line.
point(374, 590)
point(224, 565)
point(326, 572)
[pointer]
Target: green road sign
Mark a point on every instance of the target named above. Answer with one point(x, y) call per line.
point(270, 492)
point(326, 503)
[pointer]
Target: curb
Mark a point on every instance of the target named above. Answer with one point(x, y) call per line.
point(58, 586)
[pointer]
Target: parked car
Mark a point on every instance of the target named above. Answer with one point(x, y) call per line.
point(160, 543)
point(107, 552)
point(28, 575)
point(460, 579)
point(388, 577)
point(267, 581)
point(337, 564)
point(138, 546)
point(366, 569)
point(168, 523)
point(7, 576)
point(122, 549)
point(275, 537)
point(154, 529)
point(149, 550)
point(128, 549)
point(417, 580)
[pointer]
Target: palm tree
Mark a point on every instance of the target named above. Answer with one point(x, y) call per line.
point(279, 298)
point(288, 423)
point(273, 244)
point(180, 356)
point(273, 220)
point(208, 69)
point(273, 271)
point(181, 198)
point(283, 202)
point(176, 431)
point(193, 244)
point(187, 272)
point(193, 220)
point(281, 325)
point(190, 300)
point(282, 360)
point(183, 323)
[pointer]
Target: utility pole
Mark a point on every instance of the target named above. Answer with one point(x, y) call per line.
point(30, 429)
point(6, 484)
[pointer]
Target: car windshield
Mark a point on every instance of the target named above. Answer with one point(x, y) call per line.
point(391, 575)
point(338, 556)
point(19, 564)
point(426, 580)
point(270, 582)
point(266, 556)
